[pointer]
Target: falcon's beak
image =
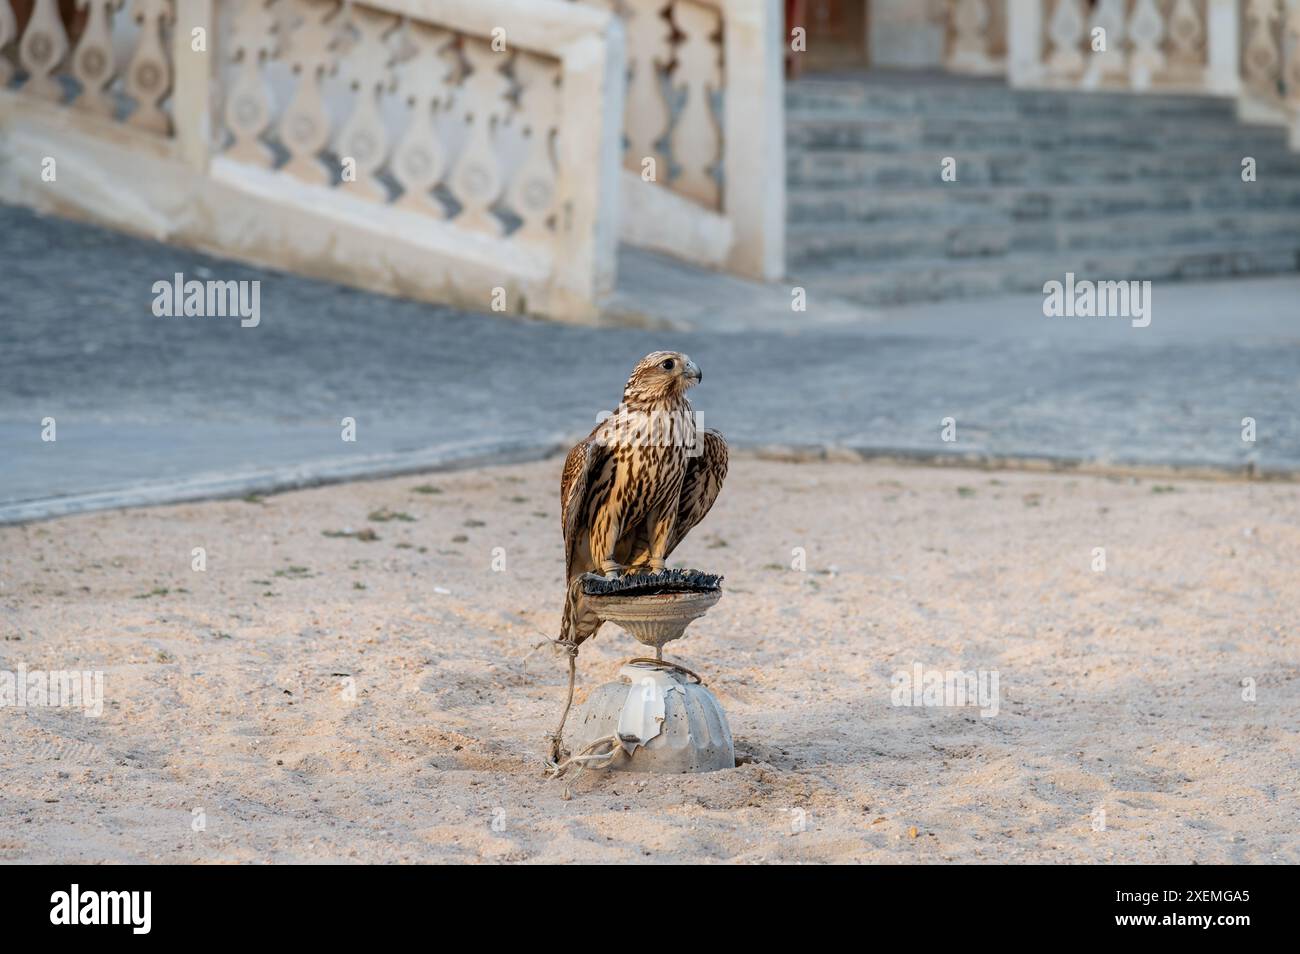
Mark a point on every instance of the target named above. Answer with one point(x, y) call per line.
point(693, 371)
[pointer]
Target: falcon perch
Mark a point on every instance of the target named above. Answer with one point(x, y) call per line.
point(637, 484)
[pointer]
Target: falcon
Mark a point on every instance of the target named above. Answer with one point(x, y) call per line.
point(637, 484)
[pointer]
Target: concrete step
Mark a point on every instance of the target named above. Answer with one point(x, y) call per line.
point(851, 167)
point(851, 245)
point(932, 279)
point(1121, 184)
point(807, 133)
point(955, 204)
point(991, 99)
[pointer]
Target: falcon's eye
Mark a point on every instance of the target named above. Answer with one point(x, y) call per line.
point(667, 365)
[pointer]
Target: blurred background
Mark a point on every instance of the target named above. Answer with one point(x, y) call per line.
point(466, 221)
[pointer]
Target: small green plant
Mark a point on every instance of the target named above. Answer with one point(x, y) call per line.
point(294, 572)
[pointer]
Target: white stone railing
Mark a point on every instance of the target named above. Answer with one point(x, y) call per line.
point(1270, 63)
point(1249, 49)
point(453, 150)
point(93, 76)
point(1186, 45)
point(704, 135)
point(976, 36)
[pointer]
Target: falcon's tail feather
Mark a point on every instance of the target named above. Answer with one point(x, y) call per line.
point(579, 621)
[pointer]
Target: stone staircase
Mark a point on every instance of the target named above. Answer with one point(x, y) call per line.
point(1106, 185)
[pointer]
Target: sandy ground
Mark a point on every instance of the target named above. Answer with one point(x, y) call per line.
point(1122, 733)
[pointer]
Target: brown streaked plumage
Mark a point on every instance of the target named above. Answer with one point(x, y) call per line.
point(637, 484)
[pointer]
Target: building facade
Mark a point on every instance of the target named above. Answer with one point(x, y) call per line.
point(477, 151)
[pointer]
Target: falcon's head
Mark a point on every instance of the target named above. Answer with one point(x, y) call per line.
point(661, 375)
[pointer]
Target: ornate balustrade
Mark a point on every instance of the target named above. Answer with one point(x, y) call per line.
point(977, 36)
point(455, 150)
point(1137, 44)
point(1249, 49)
point(436, 122)
point(704, 146)
point(1270, 62)
point(120, 74)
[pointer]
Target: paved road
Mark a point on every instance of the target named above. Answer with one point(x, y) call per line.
point(150, 408)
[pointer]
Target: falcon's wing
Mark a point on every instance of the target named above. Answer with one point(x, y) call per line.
point(584, 462)
point(703, 481)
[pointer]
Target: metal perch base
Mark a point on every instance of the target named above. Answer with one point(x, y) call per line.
point(655, 719)
point(658, 717)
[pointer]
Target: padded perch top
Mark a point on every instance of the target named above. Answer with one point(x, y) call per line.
point(652, 584)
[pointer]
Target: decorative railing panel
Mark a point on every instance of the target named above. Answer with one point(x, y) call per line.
point(1249, 49)
point(703, 121)
point(1137, 43)
point(475, 138)
point(673, 125)
point(1270, 55)
point(110, 60)
point(395, 111)
point(977, 36)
